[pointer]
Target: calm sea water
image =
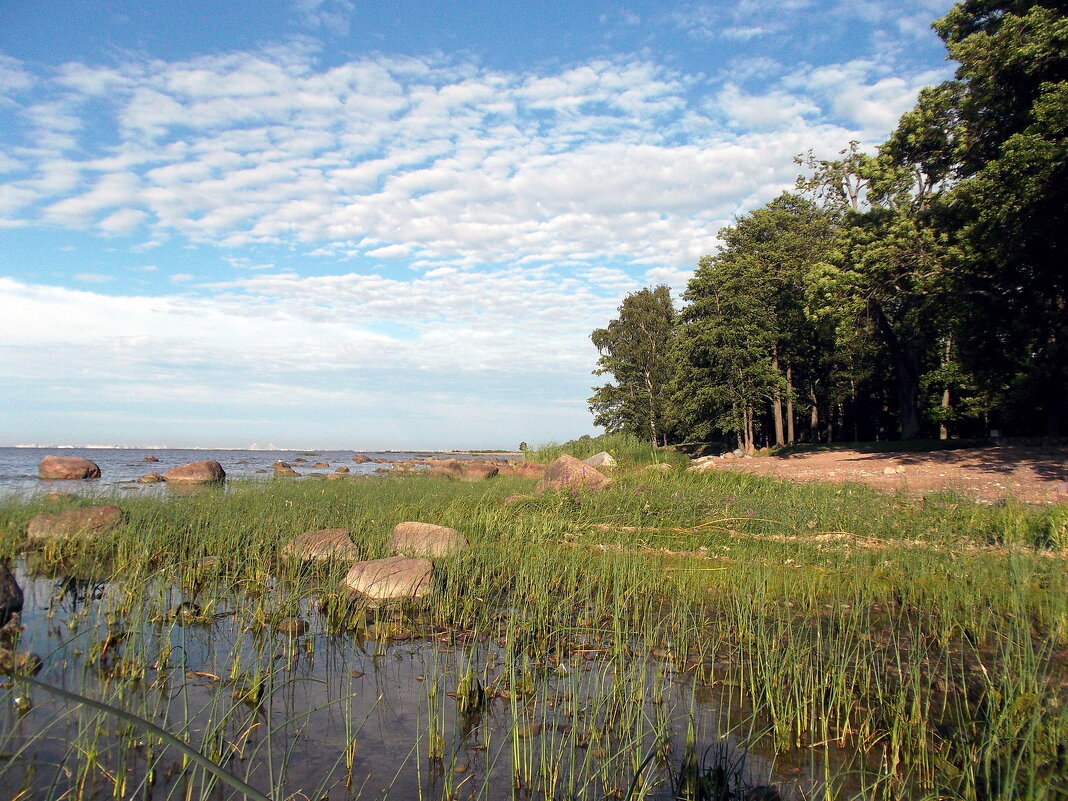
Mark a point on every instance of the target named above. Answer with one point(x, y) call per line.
point(121, 467)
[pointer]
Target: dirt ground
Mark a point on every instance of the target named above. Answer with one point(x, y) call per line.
point(1029, 474)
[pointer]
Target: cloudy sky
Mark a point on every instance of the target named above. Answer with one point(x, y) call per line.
point(338, 223)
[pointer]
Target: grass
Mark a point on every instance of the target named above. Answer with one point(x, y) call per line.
point(627, 643)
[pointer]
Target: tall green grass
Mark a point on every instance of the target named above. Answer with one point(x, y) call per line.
point(898, 647)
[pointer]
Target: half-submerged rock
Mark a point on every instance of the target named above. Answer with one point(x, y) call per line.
point(425, 539)
point(321, 546)
point(86, 521)
point(394, 579)
point(567, 471)
point(207, 471)
point(67, 467)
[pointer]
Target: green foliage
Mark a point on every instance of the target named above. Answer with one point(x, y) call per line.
point(627, 449)
point(635, 349)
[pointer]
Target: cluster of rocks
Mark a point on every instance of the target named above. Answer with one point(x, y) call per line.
point(703, 463)
point(76, 468)
point(407, 574)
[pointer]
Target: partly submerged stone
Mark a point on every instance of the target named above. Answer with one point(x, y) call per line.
point(359, 458)
point(67, 467)
point(207, 471)
point(567, 471)
point(602, 461)
point(393, 579)
point(150, 478)
point(86, 521)
point(425, 539)
point(322, 546)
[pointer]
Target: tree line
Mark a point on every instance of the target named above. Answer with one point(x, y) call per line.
point(918, 291)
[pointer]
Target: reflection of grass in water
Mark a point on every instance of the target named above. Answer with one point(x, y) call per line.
point(919, 638)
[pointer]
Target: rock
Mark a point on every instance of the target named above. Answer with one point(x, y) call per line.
point(320, 465)
point(425, 539)
point(150, 459)
point(285, 471)
point(299, 460)
point(523, 469)
point(67, 467)
point(463, 470)
point(87, 521)
point(567, 471)
point(602, 461)
point(10, 595)
point(383, 469)
point(322, 546)
point(279, 465)
point(395, 578)
point(292, 627)
point(207, 471)
point(150, 478)
point(60, 497)
point(342, 469)
point(660, 467)
point(359, 458)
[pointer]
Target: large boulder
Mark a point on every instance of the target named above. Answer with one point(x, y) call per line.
point(567, 471)
point(207, 471)
point(425, 539)
point(86, 521)
point(359, 458)
point(523, 469)
point(322, 546)
point(10, 594)
point(67, 467)
point(394, 579)
point(602, 461)
point(463, 470)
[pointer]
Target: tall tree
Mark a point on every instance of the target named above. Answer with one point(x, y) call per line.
point(1008, 125)
point(636, 350)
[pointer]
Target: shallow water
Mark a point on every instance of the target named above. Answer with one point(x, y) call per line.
point(121, 467)
point(283, 712)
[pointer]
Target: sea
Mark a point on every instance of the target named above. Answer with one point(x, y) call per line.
point(121, 467)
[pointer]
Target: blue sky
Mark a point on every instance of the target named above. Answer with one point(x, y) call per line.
point(330, 223)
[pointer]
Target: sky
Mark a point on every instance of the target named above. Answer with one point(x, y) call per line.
point(346, 224)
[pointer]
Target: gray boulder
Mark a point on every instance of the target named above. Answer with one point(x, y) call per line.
point(394, 579)
point(425, 539)
point(602, 461)
point(86, 521)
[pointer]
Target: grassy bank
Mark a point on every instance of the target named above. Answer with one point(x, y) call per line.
point(895, 647)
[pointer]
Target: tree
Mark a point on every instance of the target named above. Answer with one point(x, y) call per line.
point(1008, 126)
point(635, 349)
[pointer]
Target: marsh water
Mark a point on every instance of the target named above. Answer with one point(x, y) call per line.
point(381, 709)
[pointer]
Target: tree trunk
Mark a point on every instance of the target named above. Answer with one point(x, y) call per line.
point(776, 400)
point(814, 415)
point(906, 361)
point(790, 439)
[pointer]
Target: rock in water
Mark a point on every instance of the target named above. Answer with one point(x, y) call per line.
point(602, 461)
point(393, 579)
point(206, 472)
point(425, 539)
point(359, 458)
point(10, 594)
point(150, 478)
point(86, 521)
point(322, 546)
point(567, 471)
point(67, 467)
